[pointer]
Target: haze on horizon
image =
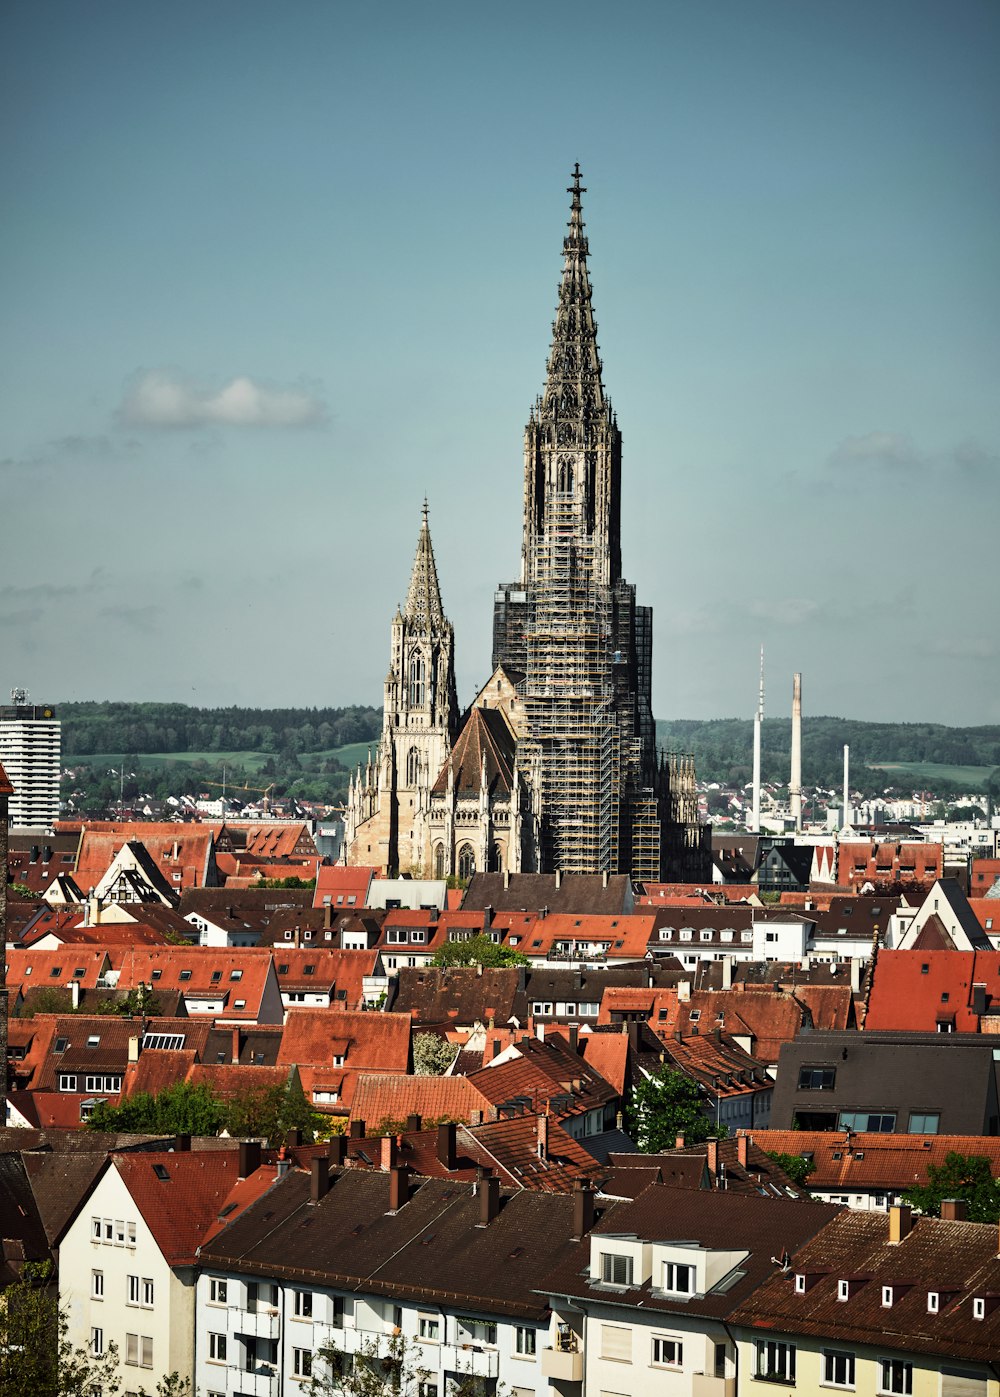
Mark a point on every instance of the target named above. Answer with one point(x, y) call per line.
point(272, 274)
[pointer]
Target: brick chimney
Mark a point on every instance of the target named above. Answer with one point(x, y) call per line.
point(319, 1178)
point(713, 1156)
point(387, 1147)
point(446, 1151)
point(399, 1190)
point(743, 1150)
point(583, 1210)
point(489, 1199)
point(236, 1045)
point(338, 1149)
point(413, 1122)
point(679, 1142)
point(954, 1210)
point(249, 1157)
point(900, 1222)
point(357, 1129)
point(133, 1048)
point(542, 1144)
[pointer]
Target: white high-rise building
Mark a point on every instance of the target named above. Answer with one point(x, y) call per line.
point(30, 752)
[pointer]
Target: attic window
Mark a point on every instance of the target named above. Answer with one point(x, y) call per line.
point(978, 1307)
point(94, 1041)
point(309, 970)
point(61, 1045)
point(216, 976)
point(283, 969)
point(887, 1296)
point(240, 1004)
point(160, 1170)
point(933, 1302)
point(925, 969)
point(236, 974)
point(185, 975)
point(800, 1283)
point(843, 1290)
point(694, 1016)
point(55, 972)
point(79, 973)
point(156, 975)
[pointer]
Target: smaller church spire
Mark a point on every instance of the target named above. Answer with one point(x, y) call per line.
point(423, 600)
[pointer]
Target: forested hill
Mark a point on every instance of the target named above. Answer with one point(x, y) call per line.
point(138, 728)
point(723, 750)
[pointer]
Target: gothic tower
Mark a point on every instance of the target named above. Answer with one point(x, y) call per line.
point(570, 630)
point(388, 803)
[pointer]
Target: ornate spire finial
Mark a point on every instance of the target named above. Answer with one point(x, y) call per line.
point(423, 600)
point(424, 514)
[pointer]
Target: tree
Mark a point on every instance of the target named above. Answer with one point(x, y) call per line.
point(480, 950)
point(36, 1355)
point(795, 1166)
point(272, 1112)
point(181, 1109)
point(432, 1055)
point(960, 1176)
point(391, 1366)
point(667, 1104)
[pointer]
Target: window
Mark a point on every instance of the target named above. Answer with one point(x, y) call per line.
point(616, 1270)
point(303, 1305)
point(185, 975)
point(800, 1283)
point(236, 974)
point(616, 1342)
point(217, 1291)
point(466, 861)
point(476, 1330)
point(667, 1353)
point(217, 1348)
point(412, 766)
point(147, 1293)
point(119, 1233)
point(302, 1363)
point(933, 1302)
point(978, 1307)
point(139, 1350)
point(895, 1376)
point(97, 1285)
point(678, 1278)
point(817, 1078)
point(843, 1290)
point(133, 1290)
point(871, 1121)
point(417, 681)
point(887, 1296)
point(97, 1342)
point(924, 1122)
point(67, 1081)
point(775, 1361)
point(838, 1368)
point(429, 1328)
point(525, 1341)
point(130, 1234)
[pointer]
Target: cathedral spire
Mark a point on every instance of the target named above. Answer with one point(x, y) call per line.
point(423, 601)
point(573, 388)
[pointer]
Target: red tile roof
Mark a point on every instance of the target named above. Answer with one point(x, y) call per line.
point(846, 1162)
point(393, 1097)
point(342, 886)
point(6, 789)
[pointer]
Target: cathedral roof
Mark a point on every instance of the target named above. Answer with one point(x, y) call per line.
point(573, 389)
point(486, 735)
point(423, 601)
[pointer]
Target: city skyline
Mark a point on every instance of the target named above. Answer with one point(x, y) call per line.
point(272, 278)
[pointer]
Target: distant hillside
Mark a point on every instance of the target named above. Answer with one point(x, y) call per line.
point(723, 751)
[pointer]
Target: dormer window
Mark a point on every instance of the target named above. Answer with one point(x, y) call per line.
point(800, 1283)
point(887, 1297)
point(843, 1290)
point(616, 1270)
point(978, 1307)
point(933, 1302)
point(679, 1278)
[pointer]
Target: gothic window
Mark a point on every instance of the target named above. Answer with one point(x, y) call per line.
point(439, 861)
point(496, 858)
point(565, 477)
point(412, 766)
point(417, 681)
point(466, 861)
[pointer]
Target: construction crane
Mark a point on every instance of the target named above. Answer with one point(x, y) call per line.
point(224, 786)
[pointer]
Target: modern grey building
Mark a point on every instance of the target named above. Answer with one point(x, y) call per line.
point(30, 752)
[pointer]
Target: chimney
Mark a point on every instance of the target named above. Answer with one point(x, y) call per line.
point(683, 991)
point(855, 975)
point(743, 1149)
point(74, 993)
point(487, 917)
point(388, 1151)
point(506, 879)
point(182, 1144)
point(954, 1210)
point(249, 1157)
point(489, 1199)
point(236, 1045)
point(293, 1136)
point(978, 1000)
point(583, 1210)
point(337, 1151)
point(727, 973)
point(679, 1142)
point(900, 1222)
point(713, 1156)
point(413, 1122)
point(795, 782)
point(573, 1036)
point(558, 879)
point(542, 1144)
point(357, 1130)
point(604, 879)
point(399, 1191)
point(133, 1048)
point(319, 1178)
point(446, 1151)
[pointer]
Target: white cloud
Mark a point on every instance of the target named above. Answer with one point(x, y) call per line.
point(162, 398)
point(896, 452)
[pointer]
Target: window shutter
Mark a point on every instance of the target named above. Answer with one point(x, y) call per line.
point(616, 1342)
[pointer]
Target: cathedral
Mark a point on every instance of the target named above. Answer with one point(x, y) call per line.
point(555, 765)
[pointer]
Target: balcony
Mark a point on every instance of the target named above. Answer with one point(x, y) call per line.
point(562, 1364)
point(702, 1385)
point(260, 1381)
point(255, 1324)
point(470, 1359)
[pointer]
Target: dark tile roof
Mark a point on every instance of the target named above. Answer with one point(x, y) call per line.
point(485, 738)
point(576, 893)
point(462, 994)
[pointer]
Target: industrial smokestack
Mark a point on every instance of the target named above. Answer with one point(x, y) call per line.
point(795, 783)
point(847, 788)
point(758, 719)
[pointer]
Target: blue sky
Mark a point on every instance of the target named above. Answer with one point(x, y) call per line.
point(271, 273)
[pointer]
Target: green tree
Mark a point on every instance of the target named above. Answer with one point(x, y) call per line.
point(271, 1112)
point(181, 1109)
point(389, 1366)
point(960, 1176)
point(797, 1168)
point(665, 1105)
point(36, 1355)
point(480, 950)
point(432, 1055)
